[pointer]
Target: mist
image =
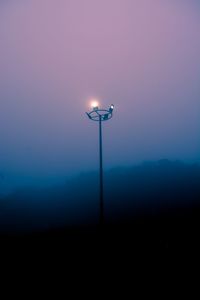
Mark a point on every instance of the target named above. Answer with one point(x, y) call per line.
point(141, 55)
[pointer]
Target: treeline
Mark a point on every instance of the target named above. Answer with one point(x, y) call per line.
point(152, 190)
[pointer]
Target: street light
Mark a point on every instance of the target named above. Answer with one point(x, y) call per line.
point(100, 115)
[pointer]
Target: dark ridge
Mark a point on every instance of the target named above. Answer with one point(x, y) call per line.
point(153, 206)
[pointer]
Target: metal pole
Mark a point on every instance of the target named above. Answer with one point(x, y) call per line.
point(101, 174)
point(100, 115)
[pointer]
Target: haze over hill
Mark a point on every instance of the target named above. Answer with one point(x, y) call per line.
point(149, 189)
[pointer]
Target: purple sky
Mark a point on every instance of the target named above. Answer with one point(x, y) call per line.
point(141, 55)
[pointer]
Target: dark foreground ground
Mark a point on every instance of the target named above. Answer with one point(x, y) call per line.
point(145, 249)
point(163, 233)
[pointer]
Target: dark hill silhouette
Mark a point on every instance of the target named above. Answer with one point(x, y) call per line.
point(155, 204)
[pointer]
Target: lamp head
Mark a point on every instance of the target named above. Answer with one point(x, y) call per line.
point(95, 104)
point(111, 108)
point(105, 117)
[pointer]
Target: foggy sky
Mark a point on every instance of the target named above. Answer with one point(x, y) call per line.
point(141, 55)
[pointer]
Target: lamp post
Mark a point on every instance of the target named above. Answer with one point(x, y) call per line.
point(100, 115)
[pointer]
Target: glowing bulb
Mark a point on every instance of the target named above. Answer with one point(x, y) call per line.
point(111, 108)
point(94, 103)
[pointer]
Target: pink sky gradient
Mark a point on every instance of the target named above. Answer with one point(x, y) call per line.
point(142, 55)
